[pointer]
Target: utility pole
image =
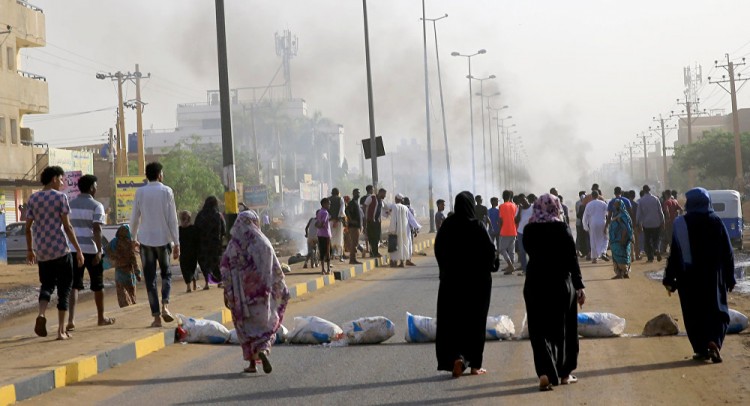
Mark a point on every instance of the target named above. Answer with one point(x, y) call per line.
point(139, 121)
point(632, 173)
point(122, 152)
point(371, 109)
point(739, 176)
point(227, 143)
point(427, 120)
point(643, 137)
point(113, 199)
point(663, 128)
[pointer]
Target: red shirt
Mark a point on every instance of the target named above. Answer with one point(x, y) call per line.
point(671, 208)
point(508, 217)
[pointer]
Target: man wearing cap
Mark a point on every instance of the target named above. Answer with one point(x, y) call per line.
point(354, 225)
point(650, 218)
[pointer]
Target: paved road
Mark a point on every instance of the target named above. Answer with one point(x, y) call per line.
point(393, 372)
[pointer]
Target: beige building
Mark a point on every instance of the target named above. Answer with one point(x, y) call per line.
point(22, 25)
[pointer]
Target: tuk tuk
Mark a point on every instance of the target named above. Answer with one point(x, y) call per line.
point(727, 205)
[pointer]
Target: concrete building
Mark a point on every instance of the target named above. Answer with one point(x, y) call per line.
point(704, 124)
point(22, 93)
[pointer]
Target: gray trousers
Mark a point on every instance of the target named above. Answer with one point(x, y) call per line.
point(508, 248)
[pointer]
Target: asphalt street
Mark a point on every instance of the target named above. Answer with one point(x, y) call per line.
point(394, 372)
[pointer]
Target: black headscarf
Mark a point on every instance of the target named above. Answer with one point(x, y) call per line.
point(464, 206)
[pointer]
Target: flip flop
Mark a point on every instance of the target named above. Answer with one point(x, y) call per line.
point(458, 368)
point(267, 368)
point(570, 379)
point(713, 353)
point(480, 371)
point(70, 327)
point(156, 324)
point(40, 327)
point(250, 369)
point(544, 385)
point(108, 321)
point(167, 316)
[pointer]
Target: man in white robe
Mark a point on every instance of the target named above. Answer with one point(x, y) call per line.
point(595, 222)
point(336, 211)
point(401, 221)
point(414, 227)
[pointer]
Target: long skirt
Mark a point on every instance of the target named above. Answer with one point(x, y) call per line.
point(553, 326)
point(125, 294)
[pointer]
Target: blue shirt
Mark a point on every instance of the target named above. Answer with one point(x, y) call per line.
point(611, 204)
point(494, 214)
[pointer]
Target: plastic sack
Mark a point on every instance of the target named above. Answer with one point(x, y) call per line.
point(314, 330)
point(499, 328)
point(420, 329)
point(600, 325)
point(202, 331)
point(737, 322)
point(524, 328)
point(369, 330)
point(281, 334)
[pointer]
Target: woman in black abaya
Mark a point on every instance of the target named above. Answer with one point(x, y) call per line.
point(553, 286)
point(465, 256)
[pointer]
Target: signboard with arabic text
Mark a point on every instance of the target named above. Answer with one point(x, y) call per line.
point(71, 184)
point(125, 195)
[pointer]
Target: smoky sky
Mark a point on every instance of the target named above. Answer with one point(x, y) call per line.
point(581, 78)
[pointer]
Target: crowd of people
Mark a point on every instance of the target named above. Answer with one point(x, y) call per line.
point(65, 238)
point(700, 266)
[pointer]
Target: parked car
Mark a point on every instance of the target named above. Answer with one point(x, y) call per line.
point(16, 238)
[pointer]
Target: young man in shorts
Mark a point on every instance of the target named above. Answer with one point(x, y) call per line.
point(48, 211)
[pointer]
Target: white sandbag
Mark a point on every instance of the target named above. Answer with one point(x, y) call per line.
point(420, 329)
point(314, 330)
point(369, 330)
point(524, 328)
point(737, 322)
point(499, 328)
point(600, 324)
point(281, 335)
point(203, 331)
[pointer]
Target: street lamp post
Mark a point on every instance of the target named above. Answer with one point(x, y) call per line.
point(484, 137)
point(499, 137)
point(442, 111)
point(471, 116)
point(427, 120)
point(371, 109)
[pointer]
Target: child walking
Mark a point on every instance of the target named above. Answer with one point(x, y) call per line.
point(122, 255)
point(322, 223)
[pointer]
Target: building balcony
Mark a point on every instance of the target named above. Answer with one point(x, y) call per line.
point(33, 93)
point(31, 23)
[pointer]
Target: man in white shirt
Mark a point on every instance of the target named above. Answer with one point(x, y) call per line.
point(154, 228)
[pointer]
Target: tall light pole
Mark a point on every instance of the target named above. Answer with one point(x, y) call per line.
point(427, 121)
point(442, 111)
point(499, 141)
point(471, 116)
point(371, 110)
point(501, 135)
point(489, 130)
point(484, 137)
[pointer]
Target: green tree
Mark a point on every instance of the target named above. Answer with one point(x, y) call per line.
point(712, 157)
point(191, 177)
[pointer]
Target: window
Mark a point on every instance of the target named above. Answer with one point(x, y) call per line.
point(2, 130)
point(16, 229)
point(11, 58)
point(13, 131)
point(718, 206)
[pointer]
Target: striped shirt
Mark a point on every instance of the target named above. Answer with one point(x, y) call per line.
point(84, 212)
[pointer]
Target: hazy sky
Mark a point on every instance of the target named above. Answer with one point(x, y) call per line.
point(581, 77)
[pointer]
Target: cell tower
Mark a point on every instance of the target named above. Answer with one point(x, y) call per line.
point(693, 78)
point(286, 48)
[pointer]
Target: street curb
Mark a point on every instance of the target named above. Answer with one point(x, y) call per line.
point(78, 369)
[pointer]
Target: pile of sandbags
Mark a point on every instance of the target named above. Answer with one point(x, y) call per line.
point(420, 329)
point(600, 324)
point(737, 322)
point(500, 328)
point(314, 330)
point(191, 330)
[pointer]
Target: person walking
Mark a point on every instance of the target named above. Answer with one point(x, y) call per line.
point(87, 217)
point(323, 226)
point(363, 207)
point(700, 268)
point(336, 212)
point(254, 289)
point(354, 225)
point(481, 212)
point(48, 218)
point(127, 273)
point(153, 224)
point(595, 222)
point(582, 236)
point(507, 224)
point(190, 243)
point(635, 251)
point(650, 219)
point(466, 258)
point(374, 213)
point(402, 222)
point(211, 229)
point(671, 208)
point(620, 239)
point(440, 215)
point(494, 215)
point(525, 211)
point(551, 291)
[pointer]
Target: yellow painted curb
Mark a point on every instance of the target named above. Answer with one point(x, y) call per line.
point(60, 374)
point(148, 345)
point(226, 315)
point(7, 395)
point(319, 282)
point(330, 279)
point(79, 369)
point(301, 289)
